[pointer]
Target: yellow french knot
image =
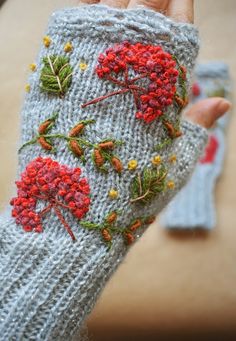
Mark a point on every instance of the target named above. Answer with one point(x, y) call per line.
point(68, 47)
point(171, 184)
point(32, 67)
point(156, 160)
point(83, 66)
point(173, 158)
point(47, 41)
point(132, 164)
point(113, 194)
point(27, 88)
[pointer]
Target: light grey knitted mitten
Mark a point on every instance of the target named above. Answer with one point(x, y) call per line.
point(101, 154)
point(194, 205)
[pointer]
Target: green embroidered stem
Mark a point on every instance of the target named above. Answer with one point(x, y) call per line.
point(108, 228)
point(60, 136)
point(102, 151)
point(56, 75)
point(33, 141)
point(166, 142)
point(148, 184)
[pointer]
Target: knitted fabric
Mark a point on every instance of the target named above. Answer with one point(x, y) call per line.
point(49, 283)
point(194, 206)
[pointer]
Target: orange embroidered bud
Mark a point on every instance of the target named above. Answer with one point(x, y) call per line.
point(98, 157)
point(43, 127)
point(106, 235)
point(76, 130)
point(135, 225)
point(107, 145)
point(178, 133)
point(183, 71)
point(179, 101)
point(75, 148)
point(129, 238)
point(117, 164)
point(111, 218)
point(150, 220)
point(170, 128)
point(44, 144)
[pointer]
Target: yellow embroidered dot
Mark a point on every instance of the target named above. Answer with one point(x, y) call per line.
point(83, 66)
point(171, 184)
point(32, 67)
point(68, 47)
point(47, 41)
point(132, 164)
point(113, 194)
point(173, 158)
point(156, 160)
point(27, 88)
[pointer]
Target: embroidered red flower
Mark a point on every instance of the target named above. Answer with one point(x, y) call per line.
point(147, 71)
point(210, 150)
point(55, 185)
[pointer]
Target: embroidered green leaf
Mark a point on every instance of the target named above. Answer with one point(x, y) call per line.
point(56, 75)
point(148, 184)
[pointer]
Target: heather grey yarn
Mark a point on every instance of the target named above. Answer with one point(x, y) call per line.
point(48, 283)
point(194, 205)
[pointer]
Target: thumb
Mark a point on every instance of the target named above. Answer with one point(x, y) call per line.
point(207, 111)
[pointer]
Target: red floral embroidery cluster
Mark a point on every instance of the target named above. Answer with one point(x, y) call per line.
point(210, 150)
point(57, 185)
point(150, 63)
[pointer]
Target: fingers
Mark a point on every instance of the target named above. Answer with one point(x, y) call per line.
point(88, 2)
point(115, 3)
point(207, 111)
point(157, 5)
point(181, 10)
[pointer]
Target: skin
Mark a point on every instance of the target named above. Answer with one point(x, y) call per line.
point(205, 112)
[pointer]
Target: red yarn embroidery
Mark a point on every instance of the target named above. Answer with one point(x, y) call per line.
point(210, 150)
point(56, 185)
point(148, 62)
point(196, 90)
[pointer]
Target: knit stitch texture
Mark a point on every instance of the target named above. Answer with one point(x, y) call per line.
point(49, 283)
point(194, 206)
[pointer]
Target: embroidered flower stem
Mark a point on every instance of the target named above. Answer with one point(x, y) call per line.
point(153, 86)
point(109, 228)
point(102, 151)
point(55, 185)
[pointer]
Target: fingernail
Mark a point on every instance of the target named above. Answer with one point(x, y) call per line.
point(223, 106)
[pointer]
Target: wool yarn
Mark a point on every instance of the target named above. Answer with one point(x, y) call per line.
point(103, 150)
point(194, 206)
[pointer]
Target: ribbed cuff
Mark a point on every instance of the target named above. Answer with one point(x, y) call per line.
point(48, 286)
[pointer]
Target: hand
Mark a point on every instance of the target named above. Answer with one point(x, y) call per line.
point(47, 281)
point(207, 111)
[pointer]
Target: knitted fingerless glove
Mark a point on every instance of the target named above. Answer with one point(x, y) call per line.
point(194, 206)
point(103, 151)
